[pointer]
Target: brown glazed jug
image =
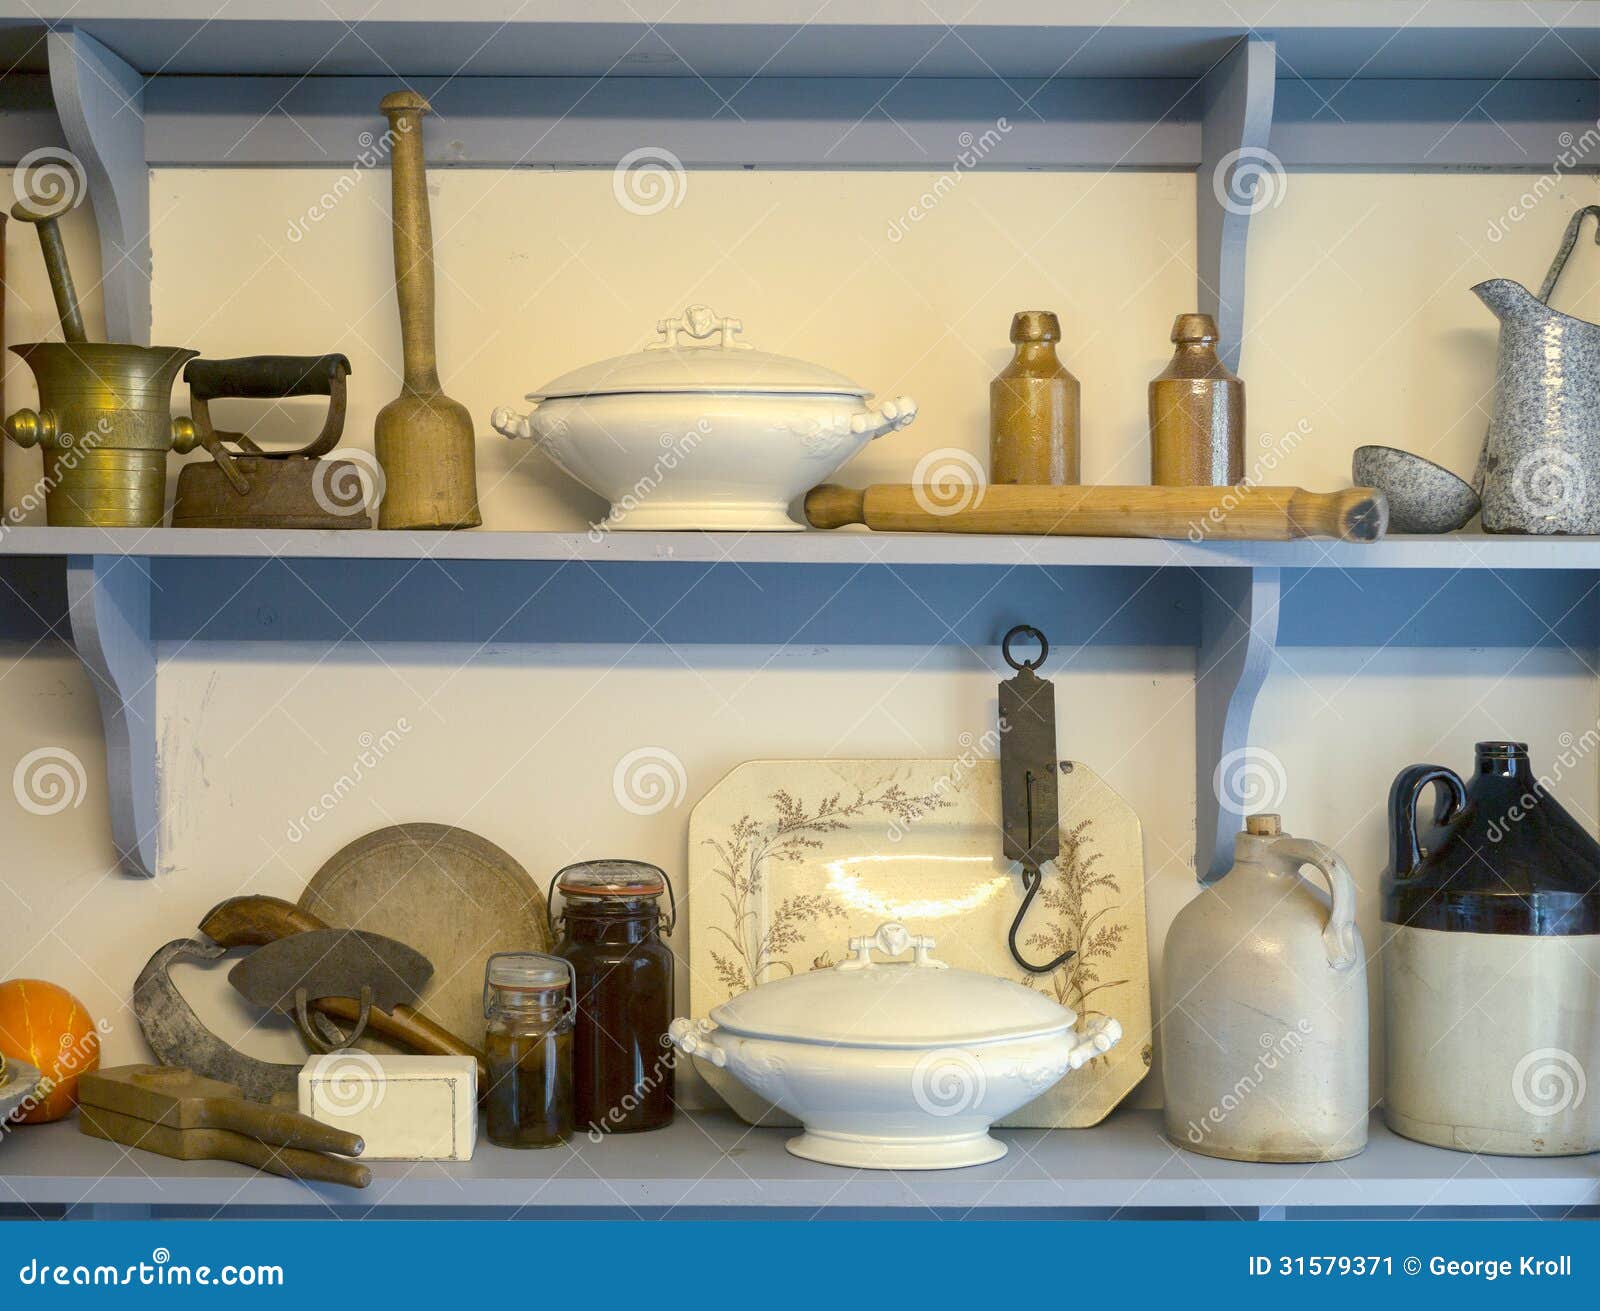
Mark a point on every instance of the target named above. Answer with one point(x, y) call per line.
point(1491, 960)
point(1034, 408)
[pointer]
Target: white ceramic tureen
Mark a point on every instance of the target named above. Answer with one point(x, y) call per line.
point(700, 430)
point(898, 1066)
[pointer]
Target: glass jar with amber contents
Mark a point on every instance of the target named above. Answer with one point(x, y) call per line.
point(528, 1002)
point(611, 934)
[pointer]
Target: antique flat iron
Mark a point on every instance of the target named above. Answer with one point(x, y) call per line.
point(1030, 814)
point(247, 487)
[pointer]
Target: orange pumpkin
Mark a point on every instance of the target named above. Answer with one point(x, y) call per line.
point(47, 1027)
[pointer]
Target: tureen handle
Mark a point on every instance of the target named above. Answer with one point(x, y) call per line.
point(1095, 1039)
point(890, 416)
point(699, 322)
point(508, 423)
point(693, 1038)
point(892, 939)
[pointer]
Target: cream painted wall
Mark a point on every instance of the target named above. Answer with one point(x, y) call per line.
point(540, 272)
point(1361, 326)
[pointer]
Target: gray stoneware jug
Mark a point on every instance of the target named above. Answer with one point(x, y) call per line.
point(1540, 471)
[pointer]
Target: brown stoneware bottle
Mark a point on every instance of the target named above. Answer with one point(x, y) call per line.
point(1196, 412)
point(1034, 408)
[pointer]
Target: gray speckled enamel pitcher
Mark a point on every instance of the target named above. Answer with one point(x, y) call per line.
point(1540, 469)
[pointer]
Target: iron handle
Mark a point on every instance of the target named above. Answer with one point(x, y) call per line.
point(265, 377)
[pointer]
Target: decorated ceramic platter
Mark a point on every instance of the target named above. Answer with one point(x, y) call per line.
point(788, 858)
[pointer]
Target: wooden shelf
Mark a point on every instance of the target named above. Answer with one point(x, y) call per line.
point(710, 1163)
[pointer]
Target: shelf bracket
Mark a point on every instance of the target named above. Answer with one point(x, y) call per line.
point(1238, 633)
point(1238, 177)
point(100, 99)
point(108, 601)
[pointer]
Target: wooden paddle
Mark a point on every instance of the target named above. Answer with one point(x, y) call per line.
point(220, 1145)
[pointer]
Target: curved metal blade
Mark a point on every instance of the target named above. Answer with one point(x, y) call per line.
point(331, 963)
point(177, 1037)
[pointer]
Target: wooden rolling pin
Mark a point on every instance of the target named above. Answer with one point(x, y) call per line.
point(1243, 513)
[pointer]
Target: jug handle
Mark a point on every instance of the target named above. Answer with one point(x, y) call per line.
point(1405, 852)
point(1568, 241)
point(1339, 938)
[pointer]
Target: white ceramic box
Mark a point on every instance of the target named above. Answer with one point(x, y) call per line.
point(406, 1108)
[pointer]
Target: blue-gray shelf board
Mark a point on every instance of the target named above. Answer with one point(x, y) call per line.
point(118, 595)
point(710, 1163)
point(1466, 551)
point(793, 38)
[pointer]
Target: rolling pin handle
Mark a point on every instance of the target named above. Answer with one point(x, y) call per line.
point(833, 506)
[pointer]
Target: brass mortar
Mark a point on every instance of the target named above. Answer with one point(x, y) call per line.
point(105, 426)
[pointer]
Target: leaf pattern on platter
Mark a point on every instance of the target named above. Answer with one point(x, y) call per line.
point(1092, 935)
point(749, 955)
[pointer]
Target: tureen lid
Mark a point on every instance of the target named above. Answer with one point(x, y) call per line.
point(866, 1003)
point(675, 363)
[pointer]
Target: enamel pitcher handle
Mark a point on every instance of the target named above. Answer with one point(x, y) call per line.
point(1568, 241)
point(1339, 937)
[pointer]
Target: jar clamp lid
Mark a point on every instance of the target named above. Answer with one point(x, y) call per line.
point(529, 974)
point(600, 881)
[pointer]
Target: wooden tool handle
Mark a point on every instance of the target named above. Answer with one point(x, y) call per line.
point(413, 239)
point(257, 920)
point(220, 1145)
point(405, 1026)
point(290, 1162)
point(278, 1126)
point(1244, 513)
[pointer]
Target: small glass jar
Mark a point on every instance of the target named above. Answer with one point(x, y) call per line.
point(611, 934)
point(528, 1002)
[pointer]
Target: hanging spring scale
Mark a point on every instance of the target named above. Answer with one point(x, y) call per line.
point(1029, 777)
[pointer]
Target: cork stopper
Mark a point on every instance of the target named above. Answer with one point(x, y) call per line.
point(1195, 329)
point(1035, 325)
point(1263, 826)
